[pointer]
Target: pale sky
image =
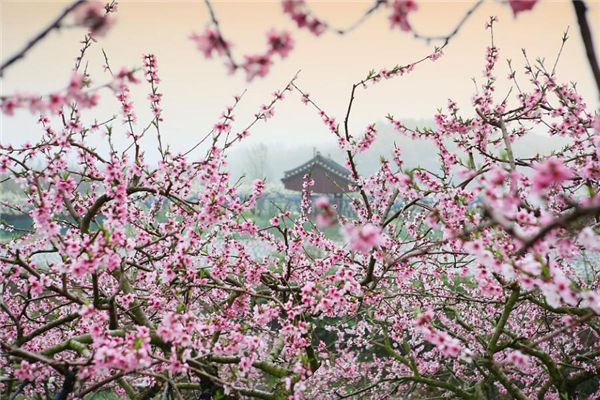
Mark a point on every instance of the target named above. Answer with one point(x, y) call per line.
point(196, 90)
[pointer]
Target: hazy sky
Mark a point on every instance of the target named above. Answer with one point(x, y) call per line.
point(196, 90)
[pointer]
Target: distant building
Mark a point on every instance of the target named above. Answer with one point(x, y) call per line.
point(329, 176)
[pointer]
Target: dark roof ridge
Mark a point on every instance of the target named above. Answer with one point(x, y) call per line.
point(325, 162)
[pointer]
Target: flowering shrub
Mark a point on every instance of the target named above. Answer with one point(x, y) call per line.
point(475, 280)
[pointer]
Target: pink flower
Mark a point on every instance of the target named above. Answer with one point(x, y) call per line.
point(551, 172)
point(521, 5)
point(175, 365)
point(325, 215)
point(322, 202)
point(436, 55)
point(9, 105)
point(257, 65)
point(497, 176)
point(92, 15)
point(399, 15)
point(56, 102)
point(266, 111)
point(367, 140)
point(296, 9)
point(36, 104)
point(76, 84)
point(596, 124)
point(323, 220)
point(589, 239)
point(550, 294)
point(24, 372)
point(562, 285)
point(363, 239)
point(424, 318)
point(4, 160)
point(87, 310)
point(466, 355)
point(316, 27)
point(245, 364)
point(592, 300)
point(125, 73)
point(221, 126)
point(305, 98)
point(520, 360)
point(210, 41)
point(280, 43)
point(81, 267)
point(446, 344)
point(36, 286)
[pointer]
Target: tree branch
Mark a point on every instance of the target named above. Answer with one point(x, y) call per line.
point(54, 25)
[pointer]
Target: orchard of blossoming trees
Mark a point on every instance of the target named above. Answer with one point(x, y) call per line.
point(475, 280)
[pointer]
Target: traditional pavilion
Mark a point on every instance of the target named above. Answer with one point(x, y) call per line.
point(330, 178)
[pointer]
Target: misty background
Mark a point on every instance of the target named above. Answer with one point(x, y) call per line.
point(258, 159)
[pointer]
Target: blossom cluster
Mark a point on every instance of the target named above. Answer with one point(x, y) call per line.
point(278, 43)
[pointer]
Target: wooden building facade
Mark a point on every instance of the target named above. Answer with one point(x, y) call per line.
point(330, 178)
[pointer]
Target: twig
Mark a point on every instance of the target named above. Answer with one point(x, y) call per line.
point(586, 36)
point(560, 330)
point(559, 222)
point(222, 42)
point(54, 25)
point(456, 29)
point(362, 19)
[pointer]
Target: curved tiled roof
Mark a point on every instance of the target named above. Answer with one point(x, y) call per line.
point(327, 163)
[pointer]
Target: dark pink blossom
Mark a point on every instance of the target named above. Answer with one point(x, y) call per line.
point(363, 239)
point(518, 6)
point(280, 42)
point(257, 65)
point(549, 173)
point(400, 11)
point(210, 41)
point(24, 372)
point(92, 14)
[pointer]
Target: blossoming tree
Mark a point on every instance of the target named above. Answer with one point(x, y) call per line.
point(475, 280)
